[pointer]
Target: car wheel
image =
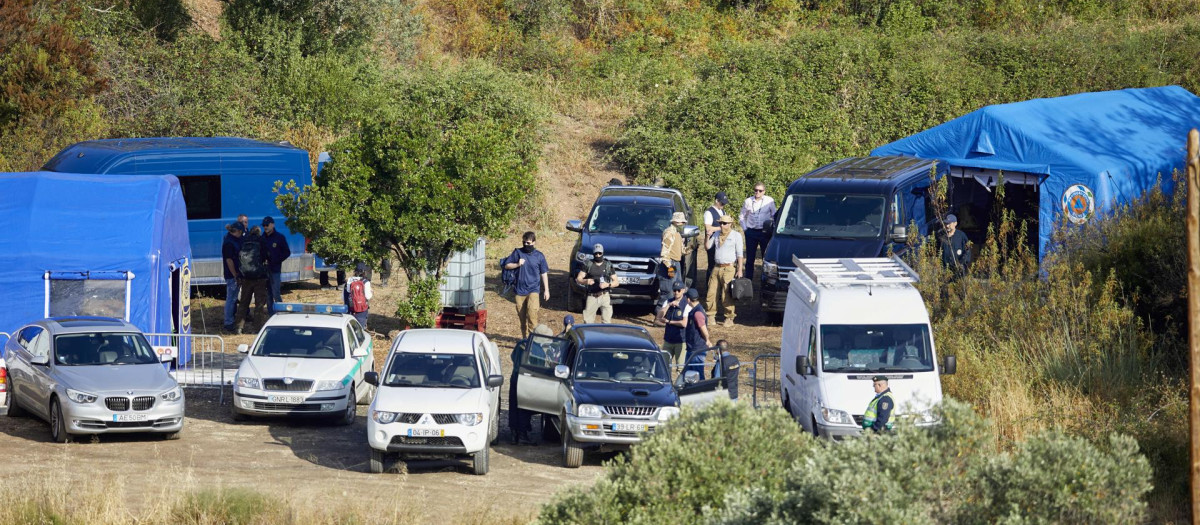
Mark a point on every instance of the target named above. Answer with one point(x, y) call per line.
point(58, 425)
point(549, 433)
point(787, 407)
point(366, 398)
point(816, 433)
point(775, 318)
point(479, 461)
point(574, 299)
point(172, 436)
point(14, 408)
point(494, 428)
point(377, 459)
point(572, 452)
point(238, 416)
point(351, 411)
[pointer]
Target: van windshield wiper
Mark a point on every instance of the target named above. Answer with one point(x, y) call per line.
point(609, 379)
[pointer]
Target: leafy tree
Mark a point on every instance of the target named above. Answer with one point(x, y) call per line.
point(446, 163)
point(321, 25)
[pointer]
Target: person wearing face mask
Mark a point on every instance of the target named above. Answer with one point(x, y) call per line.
point(532, 278)
point(597, 275)
point(670, 270)
point(956, 255)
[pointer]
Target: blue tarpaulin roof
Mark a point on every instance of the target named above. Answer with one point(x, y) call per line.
point(96, 227)
point(1115, 143)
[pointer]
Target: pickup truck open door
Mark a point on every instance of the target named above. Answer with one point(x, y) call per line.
point(699, 392)
point(537, 387)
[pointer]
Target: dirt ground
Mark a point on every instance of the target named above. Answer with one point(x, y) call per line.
point(304, 459)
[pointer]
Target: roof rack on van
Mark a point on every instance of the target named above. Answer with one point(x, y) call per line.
point(876, 270)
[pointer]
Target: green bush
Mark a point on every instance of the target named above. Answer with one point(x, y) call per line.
point(318, 25)
point(420, 308)
point(229, 506)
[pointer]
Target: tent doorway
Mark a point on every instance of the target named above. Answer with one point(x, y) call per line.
point(973, 199)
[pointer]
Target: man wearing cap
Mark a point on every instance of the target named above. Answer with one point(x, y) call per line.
point(727, 246)
point(568, 324)
point(277, 250)
point(695, 334)
point(758, 212)
point(597, 275)
point(711, 224)
point(230, 247)
point(677, 310)
point(955, 253)
point(532, 277)
point(670, 270)
point(878, 416)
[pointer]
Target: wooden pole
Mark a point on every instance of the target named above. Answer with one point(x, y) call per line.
point(1193, 240)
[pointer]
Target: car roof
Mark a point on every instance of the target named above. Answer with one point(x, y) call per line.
point(85, 324)
point(862, 174)
point(308, 320)
point(440, 340)
point(613, 336)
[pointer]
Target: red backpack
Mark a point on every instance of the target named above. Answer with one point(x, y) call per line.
point(358, 297)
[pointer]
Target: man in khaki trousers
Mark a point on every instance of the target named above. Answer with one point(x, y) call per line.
point(728, 248)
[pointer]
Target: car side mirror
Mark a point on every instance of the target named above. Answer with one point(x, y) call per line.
point(243, 348)
point(949, 365)
point(575, 225)
point(803, 367)
point(690, 231)
point(495, 381)
point(691, 377)
point(358, 352)
point(40, 360)
point(899, 234)
point(371, 378)
point(562, 372)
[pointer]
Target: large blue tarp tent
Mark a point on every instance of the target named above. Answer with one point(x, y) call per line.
point(107, 245)
point(1082, 154)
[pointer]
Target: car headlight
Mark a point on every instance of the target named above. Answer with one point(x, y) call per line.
point(666, 413)
point(582, 257)
point(80, 397)
point(382, 417)
point(588, 411)
point(174, 394)
point(249, 382)
point(928, 416)
point(335, 384)
point(834, 415)
point(470, 420)
point(770, 269)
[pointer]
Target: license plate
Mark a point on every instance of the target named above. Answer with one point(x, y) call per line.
point(426, 432)
point(287, 400)
point(628, 427)
point(129, 417)
point(628, 280)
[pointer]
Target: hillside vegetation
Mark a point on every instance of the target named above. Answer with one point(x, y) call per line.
point(701, 95)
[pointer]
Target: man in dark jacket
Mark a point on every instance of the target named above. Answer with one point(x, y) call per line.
point(277, 250)
point(230, 246)
point(253, 268)
point(956, 255)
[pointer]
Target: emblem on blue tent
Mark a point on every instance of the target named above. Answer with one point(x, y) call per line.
point(1078, 203)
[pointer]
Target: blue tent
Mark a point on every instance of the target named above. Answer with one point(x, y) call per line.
point(107, 245)
point(1086, 153)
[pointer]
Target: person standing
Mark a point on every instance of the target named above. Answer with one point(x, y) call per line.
point(711, 225)
point(277, 251)
point(670, 271)
point(878, 416)
point(357, 295)
point(757, 217)
point(242, 218)
point(695, 335)
point(230, 246)
point(252, 263)
point(956, 255)
point(677, 310)
point(597, 275)
point(532, 278)
point(728, 246)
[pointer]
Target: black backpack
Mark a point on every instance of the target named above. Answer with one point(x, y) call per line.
point(251, 259)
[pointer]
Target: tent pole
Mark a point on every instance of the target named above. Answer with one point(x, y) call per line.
point(1193, 240)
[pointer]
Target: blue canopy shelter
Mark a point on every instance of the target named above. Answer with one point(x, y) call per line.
point(96, 245)
point(1073, 156)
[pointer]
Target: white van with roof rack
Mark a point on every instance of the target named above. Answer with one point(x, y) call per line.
point(846, 321)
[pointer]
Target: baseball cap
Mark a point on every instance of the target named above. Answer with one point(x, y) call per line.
point(949, 219)
point(598, 248)
point(237, 226)
point(268, 220)
point(880, 378)
point(679, 286)
point(568, 320)
point(678, 217)
point(725, 219)
point(693, 294)
point(722, 198)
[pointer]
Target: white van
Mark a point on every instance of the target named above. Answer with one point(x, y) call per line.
point(845, 322)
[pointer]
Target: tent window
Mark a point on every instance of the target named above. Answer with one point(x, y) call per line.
point(202, 194)
point(102, 294)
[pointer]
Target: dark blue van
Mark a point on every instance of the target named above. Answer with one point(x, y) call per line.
point(855, 207)
point(221, 177)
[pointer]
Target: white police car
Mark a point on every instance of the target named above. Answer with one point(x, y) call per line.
point(308, 360)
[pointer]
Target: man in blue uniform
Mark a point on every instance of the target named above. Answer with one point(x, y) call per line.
point(277, 251)
point(696, 333)
point(878, 416)
point(230, 263)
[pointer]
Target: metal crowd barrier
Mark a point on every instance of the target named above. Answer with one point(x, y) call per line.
point(764, 378)
point(199, 360)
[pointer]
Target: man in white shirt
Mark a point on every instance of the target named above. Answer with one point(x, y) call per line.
point(727, 246)
point(757, 217)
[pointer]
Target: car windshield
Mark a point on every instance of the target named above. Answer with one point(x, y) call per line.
point(864, 348)
point(433, 371)
point(621, 365)
point(832, 216)
point(294, 341)
point(629, 218)
point(103, 349)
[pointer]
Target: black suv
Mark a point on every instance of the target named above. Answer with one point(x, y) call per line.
point(629, 222)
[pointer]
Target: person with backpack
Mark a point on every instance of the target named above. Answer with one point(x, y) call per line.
point(597, 275)
point(357, 294)
point(252, 262)
point(230, 246)
point(530, 274)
